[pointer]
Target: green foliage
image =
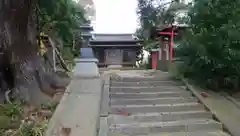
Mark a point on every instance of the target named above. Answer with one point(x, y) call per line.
point(10, 110)
point(210, 50)
point(174, 70)
point(32, 129)
point(17, 119)
point(150, 44)
point(152, 14)
point(61, 18)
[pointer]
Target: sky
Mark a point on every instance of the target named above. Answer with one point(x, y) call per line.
point(115, 16)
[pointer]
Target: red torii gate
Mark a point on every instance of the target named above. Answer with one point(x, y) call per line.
point(168, 31)
point(161, 58)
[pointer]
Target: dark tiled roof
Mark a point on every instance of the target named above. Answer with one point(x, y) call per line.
point(113, 37)
point(106, 40)
point(122, 45)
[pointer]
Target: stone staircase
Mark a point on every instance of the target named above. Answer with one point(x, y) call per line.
point(157, 107)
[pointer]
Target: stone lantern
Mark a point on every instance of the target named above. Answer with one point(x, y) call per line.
point(86, 34)
point(86, 65)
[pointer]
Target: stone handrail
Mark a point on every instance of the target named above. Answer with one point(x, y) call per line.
point(79, 110)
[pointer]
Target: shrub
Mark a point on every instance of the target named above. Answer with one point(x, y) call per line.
point(210, 50)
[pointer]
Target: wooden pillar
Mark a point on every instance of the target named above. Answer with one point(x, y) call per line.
point(162, 47)
point(162, 63)
point(171, 45)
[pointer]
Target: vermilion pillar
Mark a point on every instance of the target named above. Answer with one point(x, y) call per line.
point(171, 34)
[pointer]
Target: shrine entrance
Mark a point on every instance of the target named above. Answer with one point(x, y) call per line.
point(113, 56)
point(165, 38)
point(116, 50)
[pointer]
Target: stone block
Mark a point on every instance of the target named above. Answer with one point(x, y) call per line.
point(144, 83)
point(78, 110)
point(105, 101)
point(149, 95)
point(194, 125)
point(153, 101)
point(86, 68)
point(159, 117)
point(103, 131)
point(155, 108)
point(145, 88)
point(207, 125)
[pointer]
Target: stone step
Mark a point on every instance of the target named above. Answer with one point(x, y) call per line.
point(165, 100)
point(156, 108)
point(143, 95)
point(190, 125)
point(197, 133)
point(136, 79)
point(159, 117)
point(149, 83)
point(143, 82)
point(137, 89)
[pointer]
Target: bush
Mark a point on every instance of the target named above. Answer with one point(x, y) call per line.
point(210, 50)
point(17, 119)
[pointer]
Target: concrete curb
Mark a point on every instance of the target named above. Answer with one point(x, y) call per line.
point(105, 97)
point(233, 100)
point(195, 93)
point(104, 106)
point(103, 131)
point(201, 100)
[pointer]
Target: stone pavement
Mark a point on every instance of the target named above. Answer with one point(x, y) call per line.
point(224, 109)
point(143, 105)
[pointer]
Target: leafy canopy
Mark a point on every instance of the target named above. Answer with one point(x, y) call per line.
point(152, 14)
point(61, 17)
point(211, 48)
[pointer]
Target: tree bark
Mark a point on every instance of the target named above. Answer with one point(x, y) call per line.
point(18, 32)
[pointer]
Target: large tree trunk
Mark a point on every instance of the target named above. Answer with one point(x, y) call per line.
point(18, 36)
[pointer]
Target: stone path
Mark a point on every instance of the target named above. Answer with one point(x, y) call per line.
point(143, 105)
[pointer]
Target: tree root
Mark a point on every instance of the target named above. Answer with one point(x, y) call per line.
point(51, 89)
point(7, 98)
point(51, 92)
